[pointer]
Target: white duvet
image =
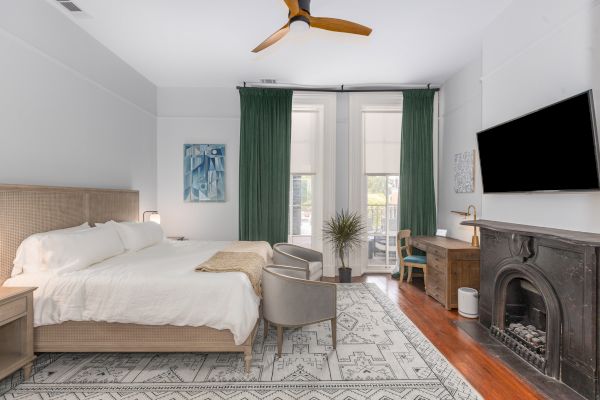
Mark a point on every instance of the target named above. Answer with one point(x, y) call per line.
point(154, 286)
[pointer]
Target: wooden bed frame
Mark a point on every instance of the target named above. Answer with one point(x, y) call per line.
point(25, 210)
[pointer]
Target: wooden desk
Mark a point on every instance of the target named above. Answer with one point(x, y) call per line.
point(451, 264)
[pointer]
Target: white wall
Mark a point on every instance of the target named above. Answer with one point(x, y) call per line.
point(536, 53)
point(71, 113)
point(197, 115)
point(48, 27)
point(460, 119)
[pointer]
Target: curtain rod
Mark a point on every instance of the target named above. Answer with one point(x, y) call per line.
point(334, 89)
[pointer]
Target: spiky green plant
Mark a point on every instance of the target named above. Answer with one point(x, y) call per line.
point(344, 232)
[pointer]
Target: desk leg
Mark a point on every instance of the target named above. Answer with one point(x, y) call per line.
point(27, 371)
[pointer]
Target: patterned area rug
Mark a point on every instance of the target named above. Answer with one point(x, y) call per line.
point(380, 355)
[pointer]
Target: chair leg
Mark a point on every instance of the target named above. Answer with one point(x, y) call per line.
point(266, 328)
point(425, 277)
point(279, 340)
point(334, 332)
point(401, 275)
point(409, 280)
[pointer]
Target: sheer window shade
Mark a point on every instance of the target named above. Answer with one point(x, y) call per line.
point(305, 130)
point(382, 134)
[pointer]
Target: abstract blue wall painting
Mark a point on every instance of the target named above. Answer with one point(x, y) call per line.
point(203, 172)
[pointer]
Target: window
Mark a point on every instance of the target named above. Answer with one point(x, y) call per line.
point(374, 144)
point(381, 134)
point(300, 215)
point(382, 221)
point(306, 128)
point(313, 172)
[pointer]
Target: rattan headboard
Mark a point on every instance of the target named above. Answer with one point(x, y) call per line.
point(25, 210)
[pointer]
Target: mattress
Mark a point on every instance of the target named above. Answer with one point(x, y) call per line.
point(154, 286)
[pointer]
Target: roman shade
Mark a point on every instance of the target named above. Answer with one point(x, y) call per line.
point(304, 150)
point(382, 135)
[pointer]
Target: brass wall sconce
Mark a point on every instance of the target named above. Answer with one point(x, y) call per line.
point(475, 238)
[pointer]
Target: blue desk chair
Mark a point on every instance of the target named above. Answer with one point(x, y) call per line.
point(409, 261)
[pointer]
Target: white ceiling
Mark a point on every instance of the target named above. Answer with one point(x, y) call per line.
point(209, 43)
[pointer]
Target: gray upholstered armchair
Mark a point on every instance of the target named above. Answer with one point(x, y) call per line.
point(291, 301)
point(296, 256)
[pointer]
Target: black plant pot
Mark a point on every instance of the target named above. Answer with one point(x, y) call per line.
point(345, 275)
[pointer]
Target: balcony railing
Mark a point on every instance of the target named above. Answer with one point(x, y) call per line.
point(378, 222)
point(382, 222)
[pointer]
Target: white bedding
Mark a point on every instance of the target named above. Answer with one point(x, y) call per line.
point(154, 286)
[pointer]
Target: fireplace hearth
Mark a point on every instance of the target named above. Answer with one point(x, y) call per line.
point(538, 297)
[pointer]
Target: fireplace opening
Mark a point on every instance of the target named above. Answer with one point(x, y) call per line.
point(525, 326)
point(525, 316)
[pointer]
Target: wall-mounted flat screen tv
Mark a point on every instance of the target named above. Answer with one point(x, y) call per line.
point(555, 148)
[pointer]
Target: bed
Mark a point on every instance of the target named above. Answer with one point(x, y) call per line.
point(25, 210)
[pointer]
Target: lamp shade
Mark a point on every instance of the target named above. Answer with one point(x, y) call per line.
point(155, 218)
point(299, 26)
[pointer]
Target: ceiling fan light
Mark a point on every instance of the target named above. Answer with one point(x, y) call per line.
point(299, 25)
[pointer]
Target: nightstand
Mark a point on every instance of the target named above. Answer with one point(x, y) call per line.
point(16, 330)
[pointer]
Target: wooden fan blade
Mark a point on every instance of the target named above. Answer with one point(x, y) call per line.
point(293, 6)
point(274, 38)
point(339, 25)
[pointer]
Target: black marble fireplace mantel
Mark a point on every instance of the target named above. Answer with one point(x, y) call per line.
point(562, 267)
point(574, 237)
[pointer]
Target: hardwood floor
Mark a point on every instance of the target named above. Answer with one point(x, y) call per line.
point(489, 376)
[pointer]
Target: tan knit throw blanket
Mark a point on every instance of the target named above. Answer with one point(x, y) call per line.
point(246, 257)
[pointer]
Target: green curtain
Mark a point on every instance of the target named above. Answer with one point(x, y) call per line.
point(265, 140)
point(417, 193)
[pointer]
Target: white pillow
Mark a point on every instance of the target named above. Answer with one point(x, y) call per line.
point(29, 257)
point(73, 251)
point(138, 235)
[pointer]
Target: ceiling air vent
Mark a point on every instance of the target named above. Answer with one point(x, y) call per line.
point(69, 5)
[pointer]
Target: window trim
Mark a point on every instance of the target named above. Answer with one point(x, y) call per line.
point(327, 104)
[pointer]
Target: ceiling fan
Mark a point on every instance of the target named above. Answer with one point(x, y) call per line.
point(299, 19)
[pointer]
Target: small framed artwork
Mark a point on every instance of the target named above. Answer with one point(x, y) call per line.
point(203, 172)
point(464, 172)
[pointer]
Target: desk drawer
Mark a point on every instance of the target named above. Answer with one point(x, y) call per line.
point(436, 288)
point(436, 279)
point(12, 309)
point(435, 274)
point(437, 251)
point(436, 262)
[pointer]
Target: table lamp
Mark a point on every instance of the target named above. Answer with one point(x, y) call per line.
point(154, 216)
point(475, 238)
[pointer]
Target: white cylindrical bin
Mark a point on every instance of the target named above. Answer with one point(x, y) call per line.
point(468, 302)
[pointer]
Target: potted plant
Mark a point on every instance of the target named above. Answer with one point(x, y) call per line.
point(344, 232)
